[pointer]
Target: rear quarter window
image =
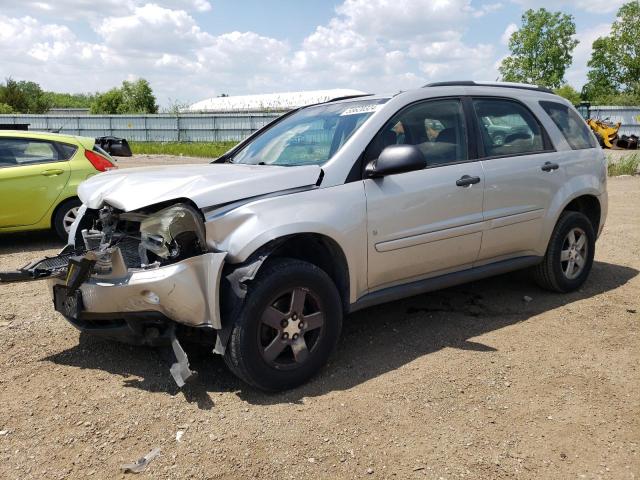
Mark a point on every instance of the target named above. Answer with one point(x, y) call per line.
point(27, 151)
point(572, 126)
point(66, 151)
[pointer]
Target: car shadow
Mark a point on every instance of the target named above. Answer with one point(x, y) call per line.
point(26, 242)
point(374, 341)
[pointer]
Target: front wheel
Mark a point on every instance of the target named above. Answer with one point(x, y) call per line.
point(287, 328)
point(64, 217)
point(569, 257)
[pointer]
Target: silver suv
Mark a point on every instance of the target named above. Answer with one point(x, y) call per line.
point(330, 209)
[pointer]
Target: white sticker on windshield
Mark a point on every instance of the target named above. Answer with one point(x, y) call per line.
point(360, 109)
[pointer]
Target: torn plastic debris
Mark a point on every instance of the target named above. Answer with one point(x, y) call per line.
point(180, 370)
point(141, 464)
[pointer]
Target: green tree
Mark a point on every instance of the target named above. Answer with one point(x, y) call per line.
point(568, 92)
point(108, 102)
point(70, 100)
point(541, 49)
point(132, 97)
point(23, 97)
point(4, 108)
point(614, 66)
point(138, 97)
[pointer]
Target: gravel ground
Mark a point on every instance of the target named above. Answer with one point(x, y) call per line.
point(471, 382)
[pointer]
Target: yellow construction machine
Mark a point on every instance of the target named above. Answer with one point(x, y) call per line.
point(607, 133)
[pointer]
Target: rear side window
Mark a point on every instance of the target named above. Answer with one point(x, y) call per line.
point(25, 151)
point(507, 128)
point(572, 126)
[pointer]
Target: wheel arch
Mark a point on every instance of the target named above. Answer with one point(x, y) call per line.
point(588, 205)
point(316, 248)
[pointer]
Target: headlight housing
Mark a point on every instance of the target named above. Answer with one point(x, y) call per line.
point(173, 233)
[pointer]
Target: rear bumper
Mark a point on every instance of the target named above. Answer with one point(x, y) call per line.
point(604, 210)
point(185, 292)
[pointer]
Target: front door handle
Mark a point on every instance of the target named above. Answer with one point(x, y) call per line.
point(467, 181)
point(548, 167)
point(52, 172)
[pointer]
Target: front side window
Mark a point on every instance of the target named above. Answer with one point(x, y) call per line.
point(24, 151)
point(310, 136)
point(572, 126)
point(436, 127)
point(507, 128)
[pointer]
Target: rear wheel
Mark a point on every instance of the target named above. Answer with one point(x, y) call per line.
point(569, 256)
point(65, 215)
point(287, 328)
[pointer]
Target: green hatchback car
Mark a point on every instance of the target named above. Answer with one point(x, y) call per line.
point(39, 177)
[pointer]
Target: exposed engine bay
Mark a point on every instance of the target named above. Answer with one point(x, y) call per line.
point(136, 276)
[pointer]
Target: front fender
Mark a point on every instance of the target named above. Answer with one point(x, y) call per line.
point(336, 212)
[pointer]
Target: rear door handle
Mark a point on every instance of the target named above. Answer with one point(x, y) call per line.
point(467, 181)
point(52, 172)
point(548, 166)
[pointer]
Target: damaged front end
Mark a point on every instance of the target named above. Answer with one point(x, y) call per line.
point(138, 277)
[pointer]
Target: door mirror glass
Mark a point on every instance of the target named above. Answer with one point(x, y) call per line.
point(396, 159)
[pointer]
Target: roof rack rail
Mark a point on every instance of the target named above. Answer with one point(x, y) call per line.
point(471, 83)
point(347, 97)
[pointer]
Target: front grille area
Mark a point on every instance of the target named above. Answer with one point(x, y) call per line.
point(129, 249)
point(54, 263)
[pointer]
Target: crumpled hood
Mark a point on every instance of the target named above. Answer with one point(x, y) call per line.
point(206, 185)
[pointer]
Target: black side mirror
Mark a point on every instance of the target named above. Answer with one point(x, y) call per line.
point(396, 159)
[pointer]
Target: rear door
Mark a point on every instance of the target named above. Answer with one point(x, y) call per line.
point(422, 223)
point(33, 173)
point(522, 174)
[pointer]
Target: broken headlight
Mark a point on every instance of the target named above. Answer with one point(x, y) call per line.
point(173, 233)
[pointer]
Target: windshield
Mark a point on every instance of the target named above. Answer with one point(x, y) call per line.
point(310, 136)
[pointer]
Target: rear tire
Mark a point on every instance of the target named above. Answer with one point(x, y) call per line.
point(287, 327)
point(569, 257)
point(65, 214)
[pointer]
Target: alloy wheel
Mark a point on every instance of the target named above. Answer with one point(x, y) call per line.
point(290, 328)
point(573, 256)
point(70, 217)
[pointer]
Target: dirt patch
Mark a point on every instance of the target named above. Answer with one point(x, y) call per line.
point(471, 382)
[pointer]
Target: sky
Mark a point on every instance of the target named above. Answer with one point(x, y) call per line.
point(190, 50)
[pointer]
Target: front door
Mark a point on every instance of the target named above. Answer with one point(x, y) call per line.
point(425, 222)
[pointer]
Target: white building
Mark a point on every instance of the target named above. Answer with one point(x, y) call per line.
point(268, 102)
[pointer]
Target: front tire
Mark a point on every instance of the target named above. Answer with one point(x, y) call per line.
point(288, 326)
point(569, 257)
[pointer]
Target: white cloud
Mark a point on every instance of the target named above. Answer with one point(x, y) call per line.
point(510, 30)
point(92, 10)
point(402, 19)
point(374, 45)
point(152, 29)
point(487, 8)
point(385, 46)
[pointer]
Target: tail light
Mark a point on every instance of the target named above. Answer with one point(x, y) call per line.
point(99, 162)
